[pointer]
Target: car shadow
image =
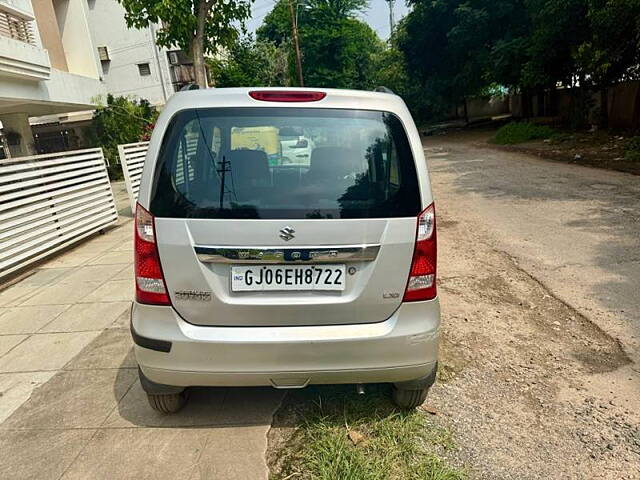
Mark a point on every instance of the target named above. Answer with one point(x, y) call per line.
point(206, 407)
point(223, 407)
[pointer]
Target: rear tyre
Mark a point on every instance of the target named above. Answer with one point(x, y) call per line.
point(167, 403)
point(409, 399)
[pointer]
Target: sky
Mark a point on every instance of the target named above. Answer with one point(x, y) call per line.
point(377, 15)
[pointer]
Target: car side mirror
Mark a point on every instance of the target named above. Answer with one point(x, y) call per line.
point(301, 144)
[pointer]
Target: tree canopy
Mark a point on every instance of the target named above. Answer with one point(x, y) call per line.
point(457, 48)
point(119, 120)
point(250, 63)
point(338, 49)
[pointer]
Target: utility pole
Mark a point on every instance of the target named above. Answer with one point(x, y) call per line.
point(391, 19)
point(152, 31)
point(294, 27)
point(225, 167)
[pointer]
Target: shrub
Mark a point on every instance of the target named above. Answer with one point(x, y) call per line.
point(518, 132)
point(120, 120)
point(558, 138)
point(632, 149)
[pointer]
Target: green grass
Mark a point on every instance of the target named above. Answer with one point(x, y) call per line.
point(519, 132)
point(394, 444)
point(632, 149)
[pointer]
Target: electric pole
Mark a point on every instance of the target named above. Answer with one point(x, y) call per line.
point(225, 167)
point(294, 27)
point(391, 20)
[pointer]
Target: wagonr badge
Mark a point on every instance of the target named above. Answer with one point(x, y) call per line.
point(193, 295)
point(287, 233)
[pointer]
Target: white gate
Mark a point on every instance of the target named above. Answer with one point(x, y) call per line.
point(132, 157)
point(132, 160)
point(50, 201)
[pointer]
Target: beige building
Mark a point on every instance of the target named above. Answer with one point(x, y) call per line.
point(48, 65)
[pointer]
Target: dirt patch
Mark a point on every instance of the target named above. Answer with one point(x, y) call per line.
point(533, 389)
point(598, 149)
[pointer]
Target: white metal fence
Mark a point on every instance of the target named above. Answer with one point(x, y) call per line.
point(132, 160)
point(50, 201)
point(132, 157)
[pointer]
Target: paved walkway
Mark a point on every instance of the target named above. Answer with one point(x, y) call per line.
point(71, 405)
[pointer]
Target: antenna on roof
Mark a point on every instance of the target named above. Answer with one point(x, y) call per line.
point(383, 89)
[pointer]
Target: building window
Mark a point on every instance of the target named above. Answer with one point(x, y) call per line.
point(144, 69)
point(103, 53)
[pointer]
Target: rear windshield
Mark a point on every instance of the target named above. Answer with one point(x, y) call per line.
point(285, 163)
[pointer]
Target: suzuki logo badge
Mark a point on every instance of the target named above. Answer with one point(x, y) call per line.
point(287, 233)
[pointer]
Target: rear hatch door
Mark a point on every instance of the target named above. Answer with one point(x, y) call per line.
point(228, 218)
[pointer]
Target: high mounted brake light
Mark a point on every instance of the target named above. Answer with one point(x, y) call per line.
point(150, 285)
point(286, 96)
point(422, 277)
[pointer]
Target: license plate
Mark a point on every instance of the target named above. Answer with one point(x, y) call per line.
point(287, 277)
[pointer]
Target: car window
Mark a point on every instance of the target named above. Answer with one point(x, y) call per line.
point(285, 163)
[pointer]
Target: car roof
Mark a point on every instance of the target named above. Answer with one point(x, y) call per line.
point(239, 97)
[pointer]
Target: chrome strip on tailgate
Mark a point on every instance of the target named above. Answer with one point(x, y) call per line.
point(273, 255)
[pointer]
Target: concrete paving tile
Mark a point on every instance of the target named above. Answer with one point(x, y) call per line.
point(106, 241)
point(62, 293)
point(113, 348)
point(125, 274)
point(29, 319)
point(73, 399)
point(111, 258)
point(112, 291)
point(234, 454)
point(47, 351)
point(125, 247)
point(123, 321)
point(15, 295)
point(16, 388)
point(140, 454)
point(82, 317)
point(250, 406)
point(91, 273)
point(7, 342)
point(203, 409)
point(71, 258)
point(47, 276)
point(37, 455)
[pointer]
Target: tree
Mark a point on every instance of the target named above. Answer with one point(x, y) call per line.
point(199, 27)
point(276, 26)
point(391, 71)
point(120, 120)
point(457, 48)
point(437, 61)
point(612, 51)
point(250, 63)
point(338, 50)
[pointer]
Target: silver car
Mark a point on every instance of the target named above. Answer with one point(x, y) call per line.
point(253, 272)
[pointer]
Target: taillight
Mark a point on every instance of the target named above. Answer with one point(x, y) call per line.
point(422, 277)
point(286, 96)
point(150, 286)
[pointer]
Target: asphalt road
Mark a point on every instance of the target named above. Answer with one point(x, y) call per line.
point(575, 229)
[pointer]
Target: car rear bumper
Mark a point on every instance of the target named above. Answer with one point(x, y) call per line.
point(171, 351)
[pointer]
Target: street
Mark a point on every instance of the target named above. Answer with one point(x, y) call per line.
point(538, 277)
